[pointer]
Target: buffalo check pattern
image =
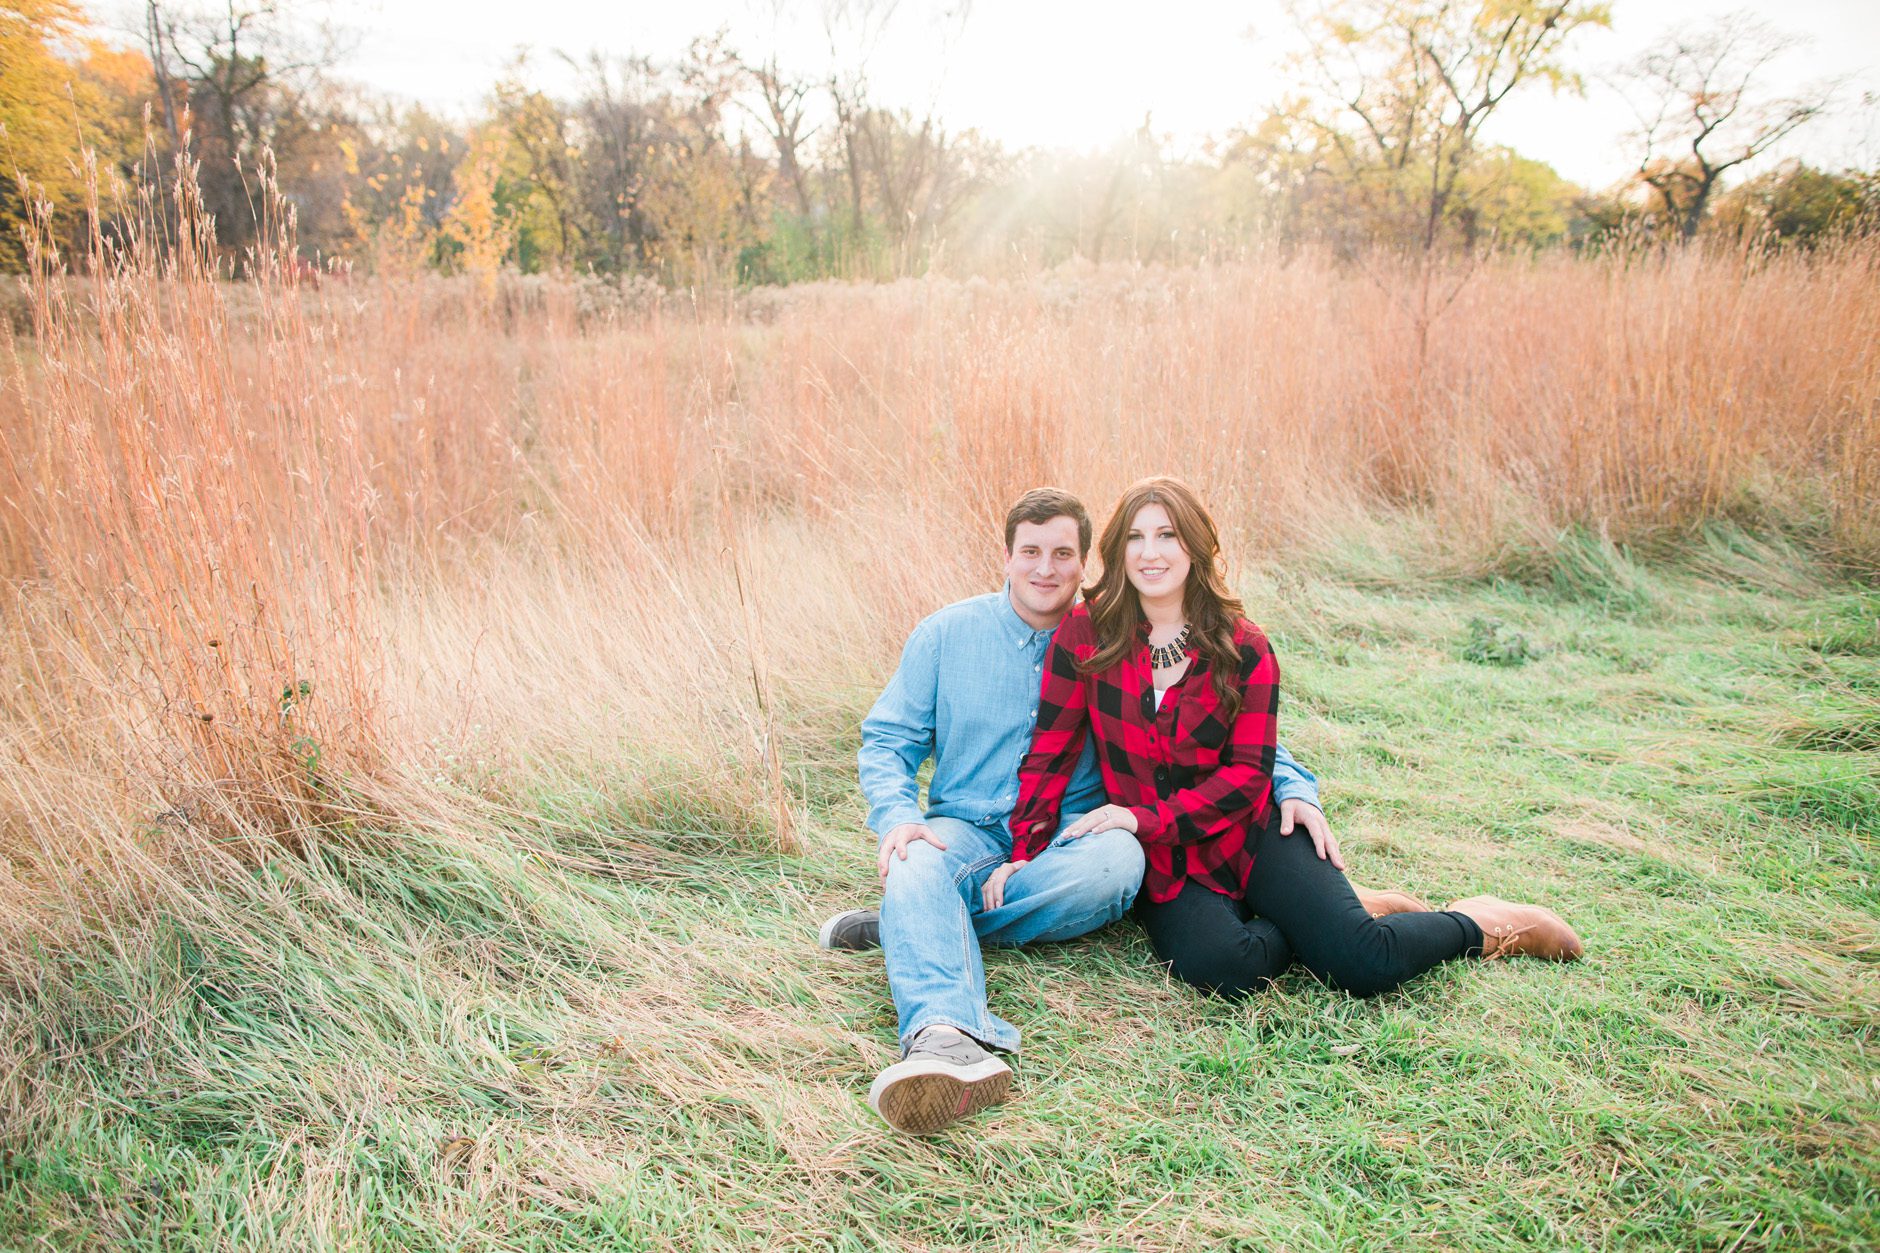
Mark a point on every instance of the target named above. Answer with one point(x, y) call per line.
point(1195, 784)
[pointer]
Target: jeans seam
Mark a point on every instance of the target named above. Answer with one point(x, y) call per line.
point(973, 868)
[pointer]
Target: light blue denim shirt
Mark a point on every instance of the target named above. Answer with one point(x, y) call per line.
point(966, 694)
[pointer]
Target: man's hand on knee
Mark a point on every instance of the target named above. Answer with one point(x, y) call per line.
point(897, 840)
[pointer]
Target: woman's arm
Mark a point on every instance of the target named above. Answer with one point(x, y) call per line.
point(1242, 783)
point(1056, 742)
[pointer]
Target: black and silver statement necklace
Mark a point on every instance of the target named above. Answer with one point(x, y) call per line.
point(1162, 656)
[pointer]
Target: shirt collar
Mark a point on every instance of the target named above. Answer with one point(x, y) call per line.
point(1019, 631)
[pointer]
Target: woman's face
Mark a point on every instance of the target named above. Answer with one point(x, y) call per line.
point(1153, 558)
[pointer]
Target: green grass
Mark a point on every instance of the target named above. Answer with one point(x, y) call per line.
point(586, 1037)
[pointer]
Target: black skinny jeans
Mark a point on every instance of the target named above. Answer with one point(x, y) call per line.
point(1297, 907)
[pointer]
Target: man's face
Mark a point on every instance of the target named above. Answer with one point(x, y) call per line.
point(1045, 568)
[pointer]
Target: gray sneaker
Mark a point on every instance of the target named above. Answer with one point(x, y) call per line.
point(944, 1076)
point(852, 929)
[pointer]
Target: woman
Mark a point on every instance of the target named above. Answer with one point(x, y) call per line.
point(1183, 695)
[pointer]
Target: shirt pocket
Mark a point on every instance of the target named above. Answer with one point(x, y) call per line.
point(1201, 729)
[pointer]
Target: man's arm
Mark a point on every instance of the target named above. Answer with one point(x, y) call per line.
point(1292, 781)
point(898, 735)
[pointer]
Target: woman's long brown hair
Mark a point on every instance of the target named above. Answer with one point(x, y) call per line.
point(1211, 609)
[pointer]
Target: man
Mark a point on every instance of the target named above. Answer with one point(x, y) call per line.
point(966, 695)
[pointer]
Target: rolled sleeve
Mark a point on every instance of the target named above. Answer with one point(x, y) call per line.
point(1292, 781)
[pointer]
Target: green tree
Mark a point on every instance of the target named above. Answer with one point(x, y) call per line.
point(1513, 199)
point(540, 168)
point(1796, 203)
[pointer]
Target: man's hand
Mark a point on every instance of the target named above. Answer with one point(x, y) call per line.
point(1296, 812)
point(898, 839)
point(1102, 818)
point(994, 891)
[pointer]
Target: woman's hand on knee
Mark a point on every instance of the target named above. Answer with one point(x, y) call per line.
point(994, 891)
point(1299, 813)
point(1102, 818)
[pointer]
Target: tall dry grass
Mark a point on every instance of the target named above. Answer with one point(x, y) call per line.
point(280, 558)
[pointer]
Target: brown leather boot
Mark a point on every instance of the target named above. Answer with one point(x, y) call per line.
point(1511, 930)
point(1378, 904)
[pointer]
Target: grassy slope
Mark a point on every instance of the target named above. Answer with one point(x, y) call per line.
point(416, 1043)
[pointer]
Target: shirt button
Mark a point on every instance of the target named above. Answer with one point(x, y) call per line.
point(1034, 715)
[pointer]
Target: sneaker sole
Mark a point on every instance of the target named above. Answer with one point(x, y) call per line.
point(920, 1095)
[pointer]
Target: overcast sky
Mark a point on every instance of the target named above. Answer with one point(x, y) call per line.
point(1082, 73)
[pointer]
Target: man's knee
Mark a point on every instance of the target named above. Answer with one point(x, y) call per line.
point(925, 868)
point(1107, 868)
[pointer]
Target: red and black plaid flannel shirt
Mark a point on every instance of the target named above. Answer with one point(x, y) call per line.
point(1195, 784)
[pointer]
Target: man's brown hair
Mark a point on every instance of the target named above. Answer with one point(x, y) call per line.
point(1040, 505)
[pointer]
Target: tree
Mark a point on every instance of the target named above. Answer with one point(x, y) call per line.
point(620, 115)
point(1400, 91)
point(52, 109)
point(854, 30)
point(902, 172)
point(399, 167)
point(540, 165)
point(40, 136)
point(784, 117)
point(918, 176)
point(1796, 203)
point(1513, 199)
point(475, 224)
point(240, 77)
point(1696, 96)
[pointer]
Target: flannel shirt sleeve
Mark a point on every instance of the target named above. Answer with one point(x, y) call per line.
point(898, 735)
point(1056, 744)
point(1243, 782)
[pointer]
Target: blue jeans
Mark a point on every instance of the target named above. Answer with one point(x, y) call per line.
point(933, 917)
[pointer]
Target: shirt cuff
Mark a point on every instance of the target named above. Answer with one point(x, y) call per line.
point(1149, 823)
point(1296, 790)
point(888, 819)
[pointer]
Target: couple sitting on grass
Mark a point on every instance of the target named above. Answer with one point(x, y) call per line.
point(1088, 752)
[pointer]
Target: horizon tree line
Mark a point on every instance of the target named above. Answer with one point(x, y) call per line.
point(725, 164)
